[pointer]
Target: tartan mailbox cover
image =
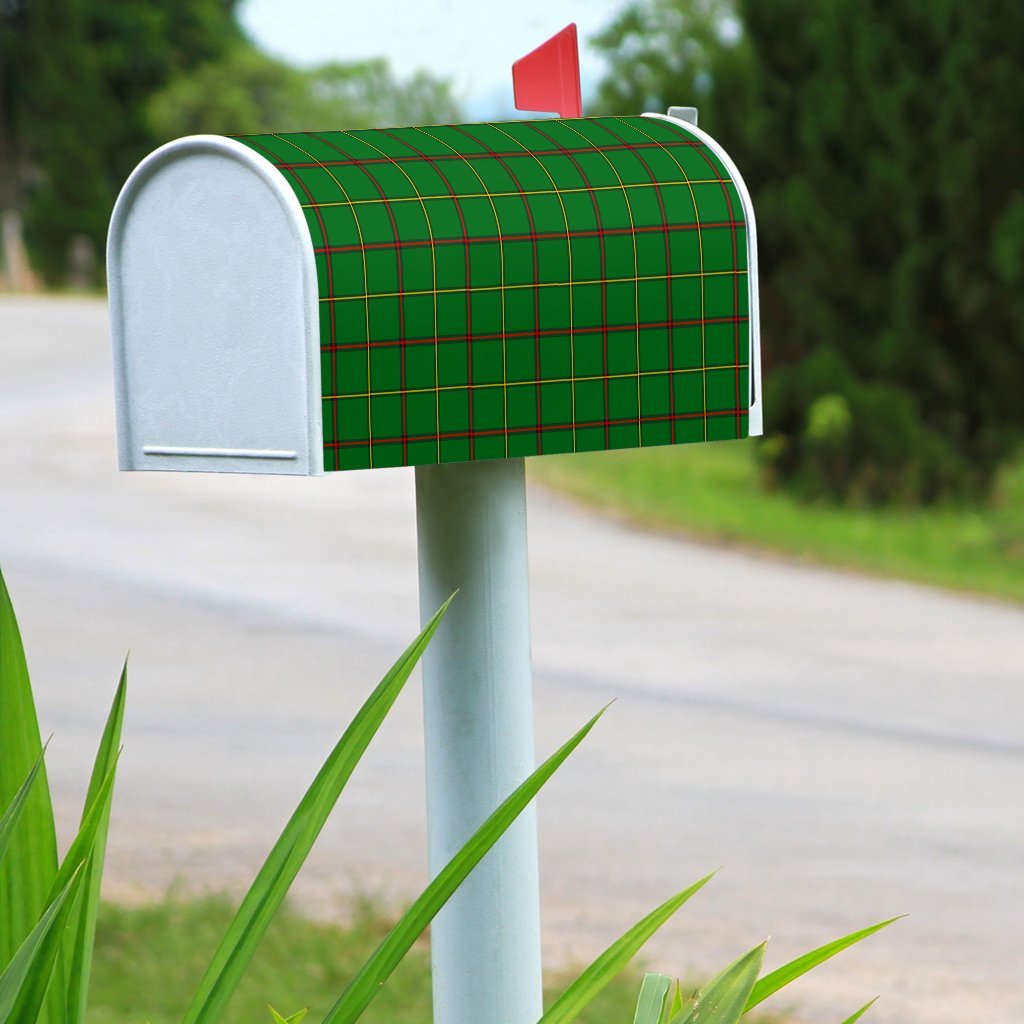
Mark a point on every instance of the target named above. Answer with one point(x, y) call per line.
point(303, 302)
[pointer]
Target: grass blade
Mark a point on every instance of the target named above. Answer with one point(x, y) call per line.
point(651, 1003)
point(853, 1018)
point(675, 1006)
point(17, 805)
point(723, 1000)
point(771, 983)
point(82, 929)
point(282, 864)
point(30, 866)
point(295, 1018)
point(368, 980)
point(572, 1001)
point(73, 866)
point(23, 982)
point(83, 845)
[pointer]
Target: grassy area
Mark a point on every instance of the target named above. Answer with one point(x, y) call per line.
point(150, 958)
point(713, 491)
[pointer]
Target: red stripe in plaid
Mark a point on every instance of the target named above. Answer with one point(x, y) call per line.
point(625, 421)
point(398, 270)
point(543, 332)
point(668, 275)
point(533, 236)
point(526, 236)
point(465, 241)
point(604, 273)
point(691, 143)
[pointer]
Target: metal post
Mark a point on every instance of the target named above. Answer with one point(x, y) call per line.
point(478, 721)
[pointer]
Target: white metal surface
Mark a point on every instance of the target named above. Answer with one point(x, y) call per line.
point(478, 721)
point(214, 315)
point(756, 419)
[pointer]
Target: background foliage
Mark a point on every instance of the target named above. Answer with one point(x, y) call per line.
point(249, 88)
point(877, 140)
point(89, 87)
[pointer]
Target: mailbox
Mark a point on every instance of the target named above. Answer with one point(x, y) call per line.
point(303, 302)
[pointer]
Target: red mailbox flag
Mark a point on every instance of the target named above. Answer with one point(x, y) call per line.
point(548, 78)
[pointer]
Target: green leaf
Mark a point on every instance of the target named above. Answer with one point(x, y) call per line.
point(73, 865)
point(82, 930)
point(295, 1018)
point(860, 1013)
point(372, 975)
point(651, 1003)
point(84, 843)
point(771, 983)
point(24, 981)
point(30, 866)
point(282, 864)
point(569, 1004)
point(17, 805)
point(675, 1006)
point(723, 999)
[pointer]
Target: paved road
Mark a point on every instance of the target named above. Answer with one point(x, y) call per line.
point(846, 748)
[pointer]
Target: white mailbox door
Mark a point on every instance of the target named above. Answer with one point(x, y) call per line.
point(214, 310)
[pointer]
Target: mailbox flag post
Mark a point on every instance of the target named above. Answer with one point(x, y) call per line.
point(478, 727)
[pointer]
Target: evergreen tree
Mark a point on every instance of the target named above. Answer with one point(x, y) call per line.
point(881, 143)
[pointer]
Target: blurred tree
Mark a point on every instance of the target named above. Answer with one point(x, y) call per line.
point(245, 91)
point(75, 77)
point(880, 142)
point(366, 95)
point(12, 18)
point(248, 91)
point(665, 52)
point(88, 87)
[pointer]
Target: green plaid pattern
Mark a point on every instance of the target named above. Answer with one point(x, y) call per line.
point(525, 288)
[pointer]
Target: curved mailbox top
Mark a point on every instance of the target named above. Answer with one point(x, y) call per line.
point(481, 291)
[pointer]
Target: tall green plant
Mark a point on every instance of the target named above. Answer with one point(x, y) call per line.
point(725, 999)
point(48, 913)
point(30, 862)
point(48, 909)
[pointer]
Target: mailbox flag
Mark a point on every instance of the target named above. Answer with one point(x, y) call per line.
point(548, 78)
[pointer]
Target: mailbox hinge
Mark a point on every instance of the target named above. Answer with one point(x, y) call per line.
point(684, 114)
